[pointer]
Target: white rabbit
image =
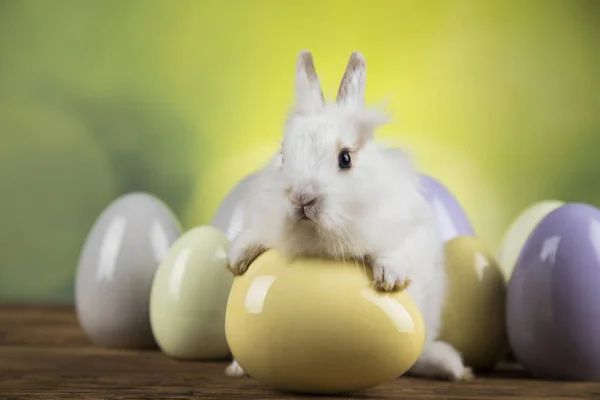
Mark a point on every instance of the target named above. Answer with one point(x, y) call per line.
point(334, 192)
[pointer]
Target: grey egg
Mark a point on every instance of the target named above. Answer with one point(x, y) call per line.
point(116, 269)
point(230, 214)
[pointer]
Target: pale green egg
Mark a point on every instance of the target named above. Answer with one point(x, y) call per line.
point(189, 296)
point(519, 231)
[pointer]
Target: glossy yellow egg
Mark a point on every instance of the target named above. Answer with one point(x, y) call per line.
point(189, 296)
point(317, 326)
point(473, 320)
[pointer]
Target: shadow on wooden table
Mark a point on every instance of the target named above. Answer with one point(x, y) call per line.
point(44, 355)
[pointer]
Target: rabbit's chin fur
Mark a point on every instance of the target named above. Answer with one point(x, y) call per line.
point(374, 213)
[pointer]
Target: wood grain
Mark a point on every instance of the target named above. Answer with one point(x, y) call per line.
point(44, 355)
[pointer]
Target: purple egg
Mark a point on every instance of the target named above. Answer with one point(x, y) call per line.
point(553, 299)
point(451, 218)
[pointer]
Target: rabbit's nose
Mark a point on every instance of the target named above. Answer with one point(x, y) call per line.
point(303, 199)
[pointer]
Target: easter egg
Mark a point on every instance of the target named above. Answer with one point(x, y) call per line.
point(317, 326)
point(116, 269)
point(519, 231)
point(451, 219)
point(473, 319)
point(553, 304)
point(189, 296)
point(230, 214)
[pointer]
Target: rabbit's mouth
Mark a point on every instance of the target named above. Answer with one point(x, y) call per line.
point(309, 212)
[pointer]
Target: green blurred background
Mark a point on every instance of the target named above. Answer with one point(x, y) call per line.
point(498, 99)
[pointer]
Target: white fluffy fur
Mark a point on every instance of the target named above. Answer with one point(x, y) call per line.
point(375, 212)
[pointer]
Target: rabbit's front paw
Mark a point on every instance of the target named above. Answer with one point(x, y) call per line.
point(388, 278)
point(241, 254)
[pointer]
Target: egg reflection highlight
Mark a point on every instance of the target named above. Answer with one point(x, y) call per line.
point(317, 326)
point(257, 293)
point(394, 310)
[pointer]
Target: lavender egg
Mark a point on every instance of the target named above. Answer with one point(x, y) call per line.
point(553, 300)
point(451, 218)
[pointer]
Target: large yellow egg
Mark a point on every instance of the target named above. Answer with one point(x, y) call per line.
point(317, 326)
point(473, 320)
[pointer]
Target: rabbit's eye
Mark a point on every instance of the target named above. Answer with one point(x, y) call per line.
point(344, 159)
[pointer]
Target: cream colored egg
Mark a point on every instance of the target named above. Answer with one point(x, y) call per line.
point(189, 296)
point(518, 232)
point(473, 320)
point(317, 326)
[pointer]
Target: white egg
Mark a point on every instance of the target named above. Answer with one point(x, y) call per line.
point(518, 232)
point(116, 269)
point(230, 214)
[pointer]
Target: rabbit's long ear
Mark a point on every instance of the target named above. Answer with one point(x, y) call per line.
point(352, 87)
point(309, 96)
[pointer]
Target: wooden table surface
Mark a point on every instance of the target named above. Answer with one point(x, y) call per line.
point(44, 355)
